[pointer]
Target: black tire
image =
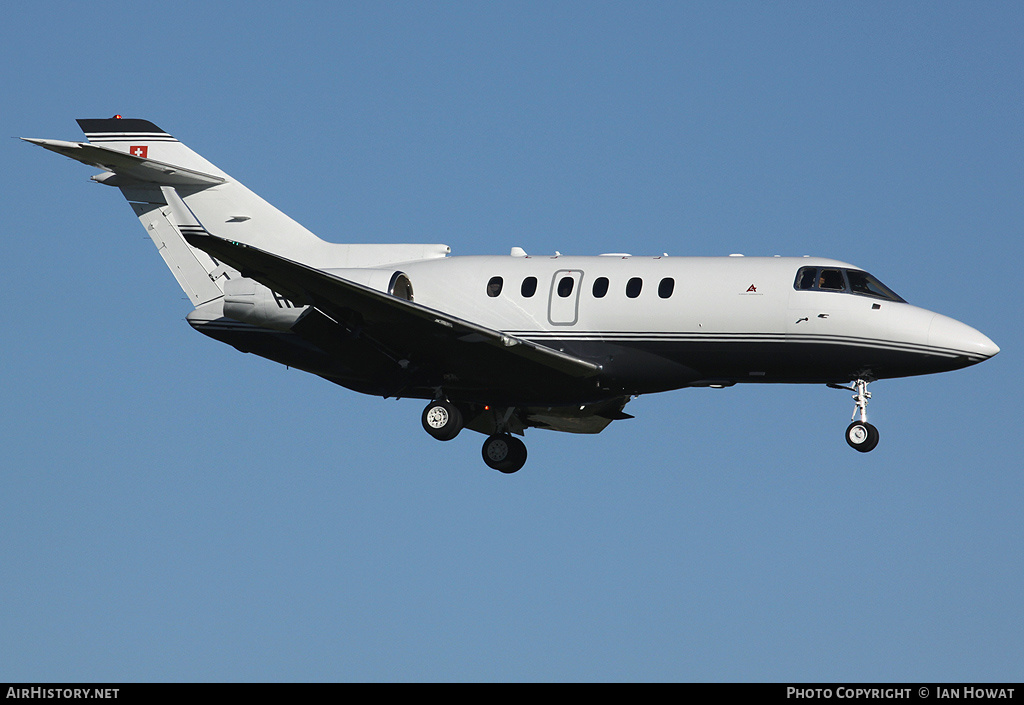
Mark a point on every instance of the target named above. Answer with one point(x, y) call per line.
point(442, 420)
point(504, 453)
point(862, 436)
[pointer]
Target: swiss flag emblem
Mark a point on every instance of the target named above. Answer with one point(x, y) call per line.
point(139, 151)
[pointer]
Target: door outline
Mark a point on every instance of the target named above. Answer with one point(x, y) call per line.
point(565, 310)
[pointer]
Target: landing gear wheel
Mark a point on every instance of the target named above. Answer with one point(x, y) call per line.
point(862, 436)
point(504, 453)
point(442, 420)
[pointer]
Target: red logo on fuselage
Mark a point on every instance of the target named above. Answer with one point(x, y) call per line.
point(139, 151)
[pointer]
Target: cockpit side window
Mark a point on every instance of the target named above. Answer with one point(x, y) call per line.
point(805, 278)
point(820, 278)
point(843, 280)
point(864, 283)
point(831, 280)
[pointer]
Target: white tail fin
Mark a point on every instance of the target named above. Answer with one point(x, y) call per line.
point(225, 206)
point(170, 187)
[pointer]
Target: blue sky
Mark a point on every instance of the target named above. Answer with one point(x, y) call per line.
point(171, 509)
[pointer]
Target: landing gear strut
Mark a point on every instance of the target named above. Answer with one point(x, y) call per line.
point(860, 434)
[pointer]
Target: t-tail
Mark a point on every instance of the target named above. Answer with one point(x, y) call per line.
point(174, 192)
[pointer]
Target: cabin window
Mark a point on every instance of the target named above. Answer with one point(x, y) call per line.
point(665, 288)
point(529, 287)
point(633, 287)
point(600, 287)
point(565, 287)
point(494, 286)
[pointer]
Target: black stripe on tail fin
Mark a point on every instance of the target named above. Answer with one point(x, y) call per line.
point(117, 129)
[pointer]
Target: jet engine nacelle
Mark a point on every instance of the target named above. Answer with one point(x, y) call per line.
point(249, 301)
point(389, 281)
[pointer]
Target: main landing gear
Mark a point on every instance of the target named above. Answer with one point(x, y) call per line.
point(860, 434)
point(502, 451)
point(442, 420)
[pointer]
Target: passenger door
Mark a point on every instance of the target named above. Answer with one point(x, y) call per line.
point(564, 297)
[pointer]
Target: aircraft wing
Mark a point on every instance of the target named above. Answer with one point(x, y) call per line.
point(404, 330)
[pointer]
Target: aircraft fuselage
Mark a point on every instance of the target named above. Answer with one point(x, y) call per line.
point(660, 323)
point(666, 322)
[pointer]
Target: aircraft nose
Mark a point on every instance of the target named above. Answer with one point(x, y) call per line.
point(951, 334)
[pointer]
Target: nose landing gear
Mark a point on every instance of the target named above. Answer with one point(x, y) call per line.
point(860, 435)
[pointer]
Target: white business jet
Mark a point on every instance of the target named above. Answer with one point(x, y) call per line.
point(500, 344)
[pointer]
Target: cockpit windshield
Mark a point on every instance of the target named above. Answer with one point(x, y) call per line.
point(852, 281)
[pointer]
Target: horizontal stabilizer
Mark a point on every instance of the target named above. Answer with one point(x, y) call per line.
point(138, 168)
